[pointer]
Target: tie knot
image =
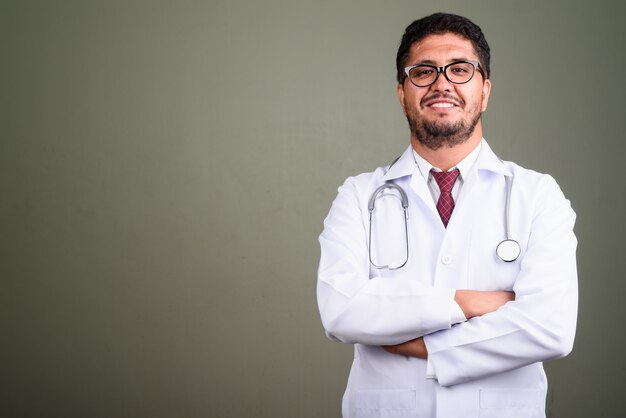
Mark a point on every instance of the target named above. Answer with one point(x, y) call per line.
point(445, 179)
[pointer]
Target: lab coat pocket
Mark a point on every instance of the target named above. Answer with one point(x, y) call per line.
point(512, 403)
point(382, 403)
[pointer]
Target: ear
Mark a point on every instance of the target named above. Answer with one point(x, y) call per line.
point(400, 90)
point(486, 92)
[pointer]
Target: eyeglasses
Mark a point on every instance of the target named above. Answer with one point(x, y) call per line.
point(458, 72)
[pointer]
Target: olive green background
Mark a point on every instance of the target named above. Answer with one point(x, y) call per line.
point(165, 168)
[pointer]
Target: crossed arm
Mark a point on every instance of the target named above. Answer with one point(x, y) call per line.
point(538, 320)
point(472, 302)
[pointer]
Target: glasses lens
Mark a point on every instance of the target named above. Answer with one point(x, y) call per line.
point(460, 72)
point(423, 75)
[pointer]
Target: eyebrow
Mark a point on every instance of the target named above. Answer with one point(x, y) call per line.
point(431, 62)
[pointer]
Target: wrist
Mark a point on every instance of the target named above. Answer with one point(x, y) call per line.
point(466, 302)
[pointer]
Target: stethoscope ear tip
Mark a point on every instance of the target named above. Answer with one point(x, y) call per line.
point(508, 250)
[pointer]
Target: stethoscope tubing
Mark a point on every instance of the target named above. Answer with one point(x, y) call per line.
point(405, 207)
point(508, 250)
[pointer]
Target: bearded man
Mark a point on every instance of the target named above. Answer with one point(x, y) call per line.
point(451, 271)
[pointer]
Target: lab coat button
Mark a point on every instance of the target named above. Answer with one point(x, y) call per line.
point(446, 259)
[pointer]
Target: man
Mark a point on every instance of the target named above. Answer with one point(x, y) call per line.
point(454, 318)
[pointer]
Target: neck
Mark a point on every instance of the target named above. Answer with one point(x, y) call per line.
point(447, 157)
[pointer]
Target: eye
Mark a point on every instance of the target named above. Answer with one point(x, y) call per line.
point(460, 72)
point(460, 69)
point(422, 72)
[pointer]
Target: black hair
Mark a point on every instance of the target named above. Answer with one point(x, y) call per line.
point(438, 24)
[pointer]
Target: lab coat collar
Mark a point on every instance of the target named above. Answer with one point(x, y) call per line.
point(487, 160)
point(403, 166)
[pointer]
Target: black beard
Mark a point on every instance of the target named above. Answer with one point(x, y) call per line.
point(434, 135)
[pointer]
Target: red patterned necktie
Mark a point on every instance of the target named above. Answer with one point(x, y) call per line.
point(445, 204)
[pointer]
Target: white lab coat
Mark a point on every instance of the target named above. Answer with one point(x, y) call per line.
point(489, 366)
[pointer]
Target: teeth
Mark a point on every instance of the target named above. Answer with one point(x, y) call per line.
point(442, 105)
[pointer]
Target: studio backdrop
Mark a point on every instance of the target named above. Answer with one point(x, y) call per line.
point(166, 166)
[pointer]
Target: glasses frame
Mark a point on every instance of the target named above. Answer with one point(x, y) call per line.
point(443, 69)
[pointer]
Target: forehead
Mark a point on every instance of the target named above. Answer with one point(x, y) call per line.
point(440, 49)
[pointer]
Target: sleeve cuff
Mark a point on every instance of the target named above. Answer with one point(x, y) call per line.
point(457, 315)
point(430, 370)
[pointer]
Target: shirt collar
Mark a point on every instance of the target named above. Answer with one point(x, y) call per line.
point(484, 159)
point(464, 166)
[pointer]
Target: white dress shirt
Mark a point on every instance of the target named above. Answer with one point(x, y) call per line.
point(464, 166)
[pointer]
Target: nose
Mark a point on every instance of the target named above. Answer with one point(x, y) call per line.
point(441, 83)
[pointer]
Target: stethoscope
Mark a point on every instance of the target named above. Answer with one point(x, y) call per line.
point(508, 249)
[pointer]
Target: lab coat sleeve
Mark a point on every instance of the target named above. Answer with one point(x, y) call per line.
point(540, 323)
point(376, 311)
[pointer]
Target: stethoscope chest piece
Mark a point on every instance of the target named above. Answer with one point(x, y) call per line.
point(508, 250)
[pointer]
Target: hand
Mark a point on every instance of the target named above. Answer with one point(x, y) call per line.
point(472, 302)
point(412, 348)
point(477, 303)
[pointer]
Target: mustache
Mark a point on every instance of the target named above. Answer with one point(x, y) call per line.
point(446, 96)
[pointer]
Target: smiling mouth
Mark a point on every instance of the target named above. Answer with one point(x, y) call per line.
point(442, 105)
point(442, 101)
